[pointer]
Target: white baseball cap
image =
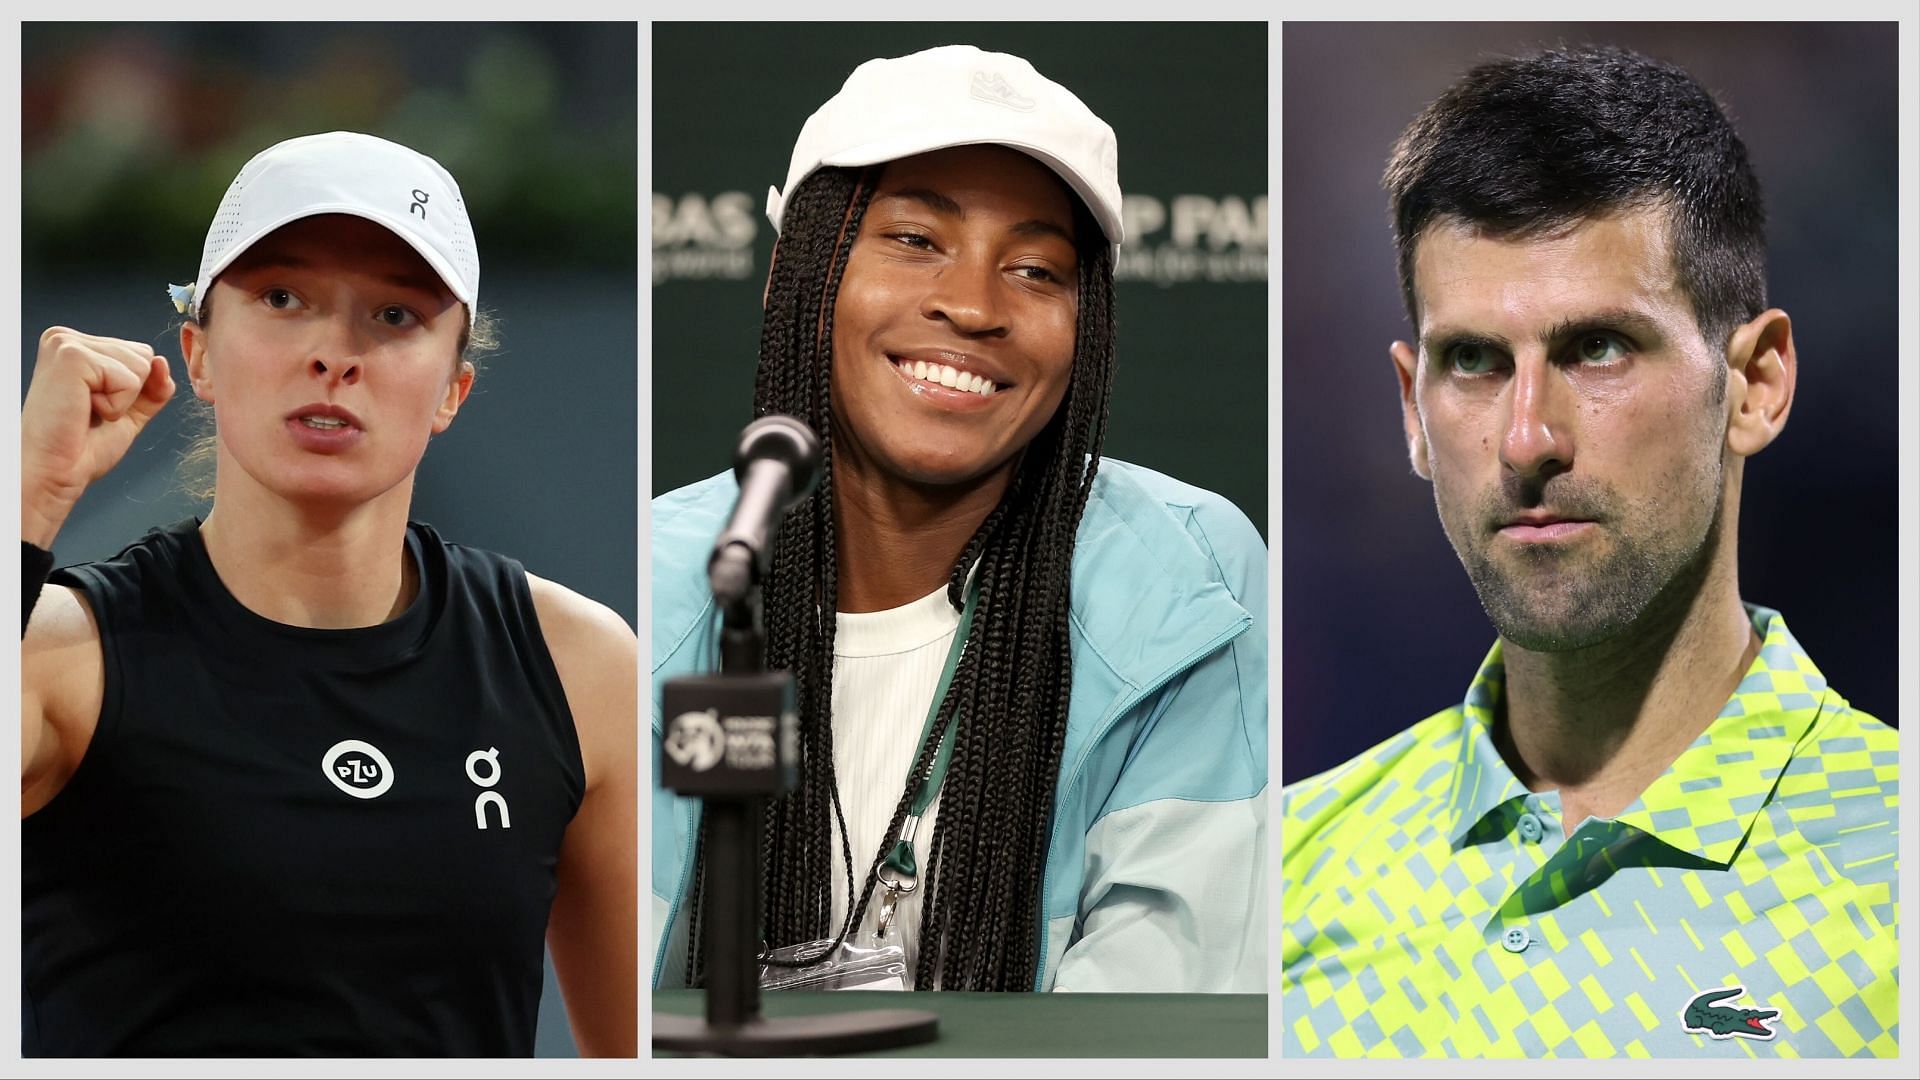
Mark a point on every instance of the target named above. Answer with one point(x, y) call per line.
point(344, 172)
point(958, 95)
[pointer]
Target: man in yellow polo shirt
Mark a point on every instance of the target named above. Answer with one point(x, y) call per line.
point(1650, 828)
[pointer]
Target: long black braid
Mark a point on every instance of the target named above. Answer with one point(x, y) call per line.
point(987, 856)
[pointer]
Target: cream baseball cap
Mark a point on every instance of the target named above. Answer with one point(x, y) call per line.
point(344, 172)
point(959, 95)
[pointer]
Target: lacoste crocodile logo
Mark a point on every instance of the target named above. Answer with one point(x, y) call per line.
point(1705, 1015)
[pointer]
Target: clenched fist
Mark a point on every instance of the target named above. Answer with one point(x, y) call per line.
point(89, 398)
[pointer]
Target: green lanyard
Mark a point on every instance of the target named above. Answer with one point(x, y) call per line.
point(900, 860)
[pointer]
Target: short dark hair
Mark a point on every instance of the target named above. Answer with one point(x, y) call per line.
point(1522, 146)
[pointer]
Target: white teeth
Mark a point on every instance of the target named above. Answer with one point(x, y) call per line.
point(964, 381)
point(323, 421)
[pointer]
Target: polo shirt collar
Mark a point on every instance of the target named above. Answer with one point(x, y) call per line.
point(1705, 802)
point(1482, 781)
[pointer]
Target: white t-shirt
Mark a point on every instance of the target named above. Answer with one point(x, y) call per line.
point(886, 666)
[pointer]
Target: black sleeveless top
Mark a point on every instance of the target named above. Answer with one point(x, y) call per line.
point(284, 841)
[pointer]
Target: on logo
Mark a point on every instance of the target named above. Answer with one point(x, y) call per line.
point(491, 756)
point(357, 768)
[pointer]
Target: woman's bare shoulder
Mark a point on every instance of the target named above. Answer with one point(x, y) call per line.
point(598, 659)
point(62, 685)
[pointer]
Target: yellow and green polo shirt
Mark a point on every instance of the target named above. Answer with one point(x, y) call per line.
point(1743, 907)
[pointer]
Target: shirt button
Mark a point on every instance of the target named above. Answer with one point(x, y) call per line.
point(1517, 939)
point(1530, 828)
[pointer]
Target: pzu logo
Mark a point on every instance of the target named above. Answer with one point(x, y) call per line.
point(491, 757)
point(357, 768)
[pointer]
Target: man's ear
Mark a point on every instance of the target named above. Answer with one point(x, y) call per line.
point(1406, 365)
point(193, 349)
point(1761, 369)
point(457, 390)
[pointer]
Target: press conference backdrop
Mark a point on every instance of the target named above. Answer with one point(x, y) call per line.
point(1380, 626)
point(1188, 103)
point(130, 137)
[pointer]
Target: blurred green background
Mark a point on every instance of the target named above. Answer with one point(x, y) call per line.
point(130, 134)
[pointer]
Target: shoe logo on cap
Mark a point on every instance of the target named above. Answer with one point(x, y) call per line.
point(358, 768)
point(419, 205)
point(990, 87)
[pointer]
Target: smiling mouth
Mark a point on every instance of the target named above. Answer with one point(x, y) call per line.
point(943, 375)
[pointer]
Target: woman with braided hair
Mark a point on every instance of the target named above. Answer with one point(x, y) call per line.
point(1031, 682)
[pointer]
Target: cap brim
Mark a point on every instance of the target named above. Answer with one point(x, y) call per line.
point(923, 142)
point(387, 221)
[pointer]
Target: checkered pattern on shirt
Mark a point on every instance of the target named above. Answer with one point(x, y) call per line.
point(1765, 857)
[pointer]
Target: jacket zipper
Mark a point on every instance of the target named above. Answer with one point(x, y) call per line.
point(679, 892)
point(693, 838)
point(1066, 794)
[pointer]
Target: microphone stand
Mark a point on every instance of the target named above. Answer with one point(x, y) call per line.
point(732, 740)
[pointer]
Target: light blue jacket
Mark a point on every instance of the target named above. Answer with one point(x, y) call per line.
point(1157, 871)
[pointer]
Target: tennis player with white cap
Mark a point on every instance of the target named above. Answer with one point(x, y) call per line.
point(303, 777)
point(1033, 715)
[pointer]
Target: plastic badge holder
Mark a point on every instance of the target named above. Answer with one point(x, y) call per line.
point(865, 963)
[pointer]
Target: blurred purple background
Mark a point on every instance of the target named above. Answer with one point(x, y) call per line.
point(1380, 626)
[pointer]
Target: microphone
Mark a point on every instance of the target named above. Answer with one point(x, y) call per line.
point(777, 464)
